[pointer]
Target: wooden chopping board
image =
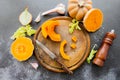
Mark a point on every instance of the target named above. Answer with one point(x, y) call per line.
point(77, 55)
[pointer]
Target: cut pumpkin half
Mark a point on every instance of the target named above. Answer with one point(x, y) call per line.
point(93, 20)
point(22, 48)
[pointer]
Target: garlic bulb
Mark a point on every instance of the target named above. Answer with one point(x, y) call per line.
point(60, 8)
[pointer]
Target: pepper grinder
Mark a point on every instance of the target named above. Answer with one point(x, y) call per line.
point(103, 50)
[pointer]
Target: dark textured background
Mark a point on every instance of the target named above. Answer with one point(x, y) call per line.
point(11, 69)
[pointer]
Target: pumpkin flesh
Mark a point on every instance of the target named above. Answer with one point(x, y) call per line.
point(22, 48)
point(93, 20)
point(51, 31)
point(45, 28)
point(48, 29)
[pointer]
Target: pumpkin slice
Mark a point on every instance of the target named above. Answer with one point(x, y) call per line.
point(51, 31)
point(93, 20)
point(22, 48)
point(48, 30)
point(63, 54)
point(45, 28)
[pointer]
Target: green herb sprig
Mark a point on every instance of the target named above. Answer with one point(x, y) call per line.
point(92, 54)
point(23, 31)
point(74, 25)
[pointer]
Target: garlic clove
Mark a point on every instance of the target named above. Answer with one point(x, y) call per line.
point(38, 18)
point(34, 65)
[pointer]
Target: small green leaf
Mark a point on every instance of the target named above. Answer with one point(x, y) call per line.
point(74, 25)
point(19, 33)
point(30, 31)
point(74, 21)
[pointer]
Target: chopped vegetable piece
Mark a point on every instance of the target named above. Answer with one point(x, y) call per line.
point(63, 54)
point(74, 25)
point(74, 38)
point(25, 17)
point(29, 30)
point(19, 33)
point(73, 45)
point(48, 29)
point(22, 48)
point(45, 28)
point(92, 54)
point(22, 30)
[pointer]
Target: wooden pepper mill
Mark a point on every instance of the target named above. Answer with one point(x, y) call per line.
point(103, 50)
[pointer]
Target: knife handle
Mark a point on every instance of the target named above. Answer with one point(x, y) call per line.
point(64, 67)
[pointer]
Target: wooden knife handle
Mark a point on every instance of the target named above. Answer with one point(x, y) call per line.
point(64, 67)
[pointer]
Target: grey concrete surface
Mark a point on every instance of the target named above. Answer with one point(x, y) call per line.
point(11, 69)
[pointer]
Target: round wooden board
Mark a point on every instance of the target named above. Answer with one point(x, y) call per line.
point(77, 55)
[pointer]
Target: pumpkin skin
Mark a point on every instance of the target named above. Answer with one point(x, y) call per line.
point(78, 8)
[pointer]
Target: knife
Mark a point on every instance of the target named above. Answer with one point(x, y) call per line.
point(53, 56)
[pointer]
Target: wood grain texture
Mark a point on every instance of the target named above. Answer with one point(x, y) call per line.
point(77, 56)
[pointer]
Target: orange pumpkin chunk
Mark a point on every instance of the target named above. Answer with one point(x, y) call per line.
point(22, 48)
point(74, 38)
point(93, 20)
point(73, 45)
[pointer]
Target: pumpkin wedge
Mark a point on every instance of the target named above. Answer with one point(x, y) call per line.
point(51, 31)
point(63, 54)
point(45, 28)
point(48, 29)
point(22, 48)
point(93, 20)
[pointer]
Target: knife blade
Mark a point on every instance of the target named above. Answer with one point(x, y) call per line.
point(47, 51)
point(53, 56)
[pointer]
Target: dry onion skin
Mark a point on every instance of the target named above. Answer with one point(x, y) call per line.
point(25, 17)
